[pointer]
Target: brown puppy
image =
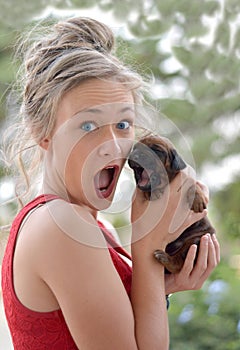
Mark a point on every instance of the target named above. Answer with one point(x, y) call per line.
point(155, 163)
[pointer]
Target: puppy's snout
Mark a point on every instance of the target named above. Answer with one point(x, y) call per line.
point(137, 159)
point(155, 180)
point(135, 156)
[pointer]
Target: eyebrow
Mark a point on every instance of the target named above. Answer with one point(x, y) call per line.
point(98, 111)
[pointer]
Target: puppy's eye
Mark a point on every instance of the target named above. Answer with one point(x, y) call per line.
point(88, 126)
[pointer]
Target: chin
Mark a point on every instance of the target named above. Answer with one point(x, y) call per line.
point(104, 203)
point(94, 201)
point(97, 204)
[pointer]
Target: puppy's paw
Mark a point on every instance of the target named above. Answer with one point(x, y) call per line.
point(161, 257)
point(172, 264)
point(196, 199)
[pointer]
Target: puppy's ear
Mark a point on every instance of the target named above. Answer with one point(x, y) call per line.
point(177, 162)
point(162, 155)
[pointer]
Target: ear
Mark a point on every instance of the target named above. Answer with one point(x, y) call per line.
point(162, 155)
point(44, 143)
point(177, 162)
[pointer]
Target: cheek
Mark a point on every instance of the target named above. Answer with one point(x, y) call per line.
point(75, 164)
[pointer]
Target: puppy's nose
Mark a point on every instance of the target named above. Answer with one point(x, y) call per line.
point(135, 157)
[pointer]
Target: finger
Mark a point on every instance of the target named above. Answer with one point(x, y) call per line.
point(189, 261)
point(211, 262)
point(217, 248)
point(202, 260)
point(212, 258)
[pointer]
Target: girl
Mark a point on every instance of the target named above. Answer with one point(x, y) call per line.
point(65, 281)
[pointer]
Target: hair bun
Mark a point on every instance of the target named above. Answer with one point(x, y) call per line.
point(83, 31)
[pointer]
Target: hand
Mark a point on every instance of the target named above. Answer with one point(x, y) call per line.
point(192, 277)
point(165, 218)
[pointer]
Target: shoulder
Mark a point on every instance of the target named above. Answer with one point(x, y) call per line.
point(62, 220)
point(64, 238)
point(70, 248)
point(60, 231)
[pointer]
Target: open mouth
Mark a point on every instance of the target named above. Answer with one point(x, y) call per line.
point(105, 181)
point(146, 179)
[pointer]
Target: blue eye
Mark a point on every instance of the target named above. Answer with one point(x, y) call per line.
point(88, 126)
point(123, 125)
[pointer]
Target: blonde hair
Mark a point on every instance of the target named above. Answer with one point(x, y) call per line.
point(72, 51)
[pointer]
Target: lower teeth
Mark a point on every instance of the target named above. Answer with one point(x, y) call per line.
point(103, 189)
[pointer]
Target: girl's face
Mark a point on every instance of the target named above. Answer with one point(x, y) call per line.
point(93, 136)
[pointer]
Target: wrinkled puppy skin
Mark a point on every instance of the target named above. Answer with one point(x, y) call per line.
point(155, 163)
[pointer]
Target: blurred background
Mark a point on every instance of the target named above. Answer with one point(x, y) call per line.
point(192, 50)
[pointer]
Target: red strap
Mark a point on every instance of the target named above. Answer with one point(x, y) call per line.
point(34, 203)
point(44, 198)
point(112, 242)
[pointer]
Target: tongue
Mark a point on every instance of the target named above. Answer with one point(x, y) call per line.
point(104, 179)
point(144, 179)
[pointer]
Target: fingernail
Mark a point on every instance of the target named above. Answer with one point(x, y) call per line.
point(211, 238)
point(206, 237)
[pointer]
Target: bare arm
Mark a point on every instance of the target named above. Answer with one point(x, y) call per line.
point(149, 304)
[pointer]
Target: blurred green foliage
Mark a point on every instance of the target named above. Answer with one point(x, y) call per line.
point(228, 198)
point(207, 318)
point(6, 67)
point(192, 49)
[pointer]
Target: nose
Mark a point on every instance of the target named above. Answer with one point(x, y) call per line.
point(110, 144)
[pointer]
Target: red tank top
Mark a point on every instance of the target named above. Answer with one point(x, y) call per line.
point(45, 330)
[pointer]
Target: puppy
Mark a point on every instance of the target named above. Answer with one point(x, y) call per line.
point(155, 163)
